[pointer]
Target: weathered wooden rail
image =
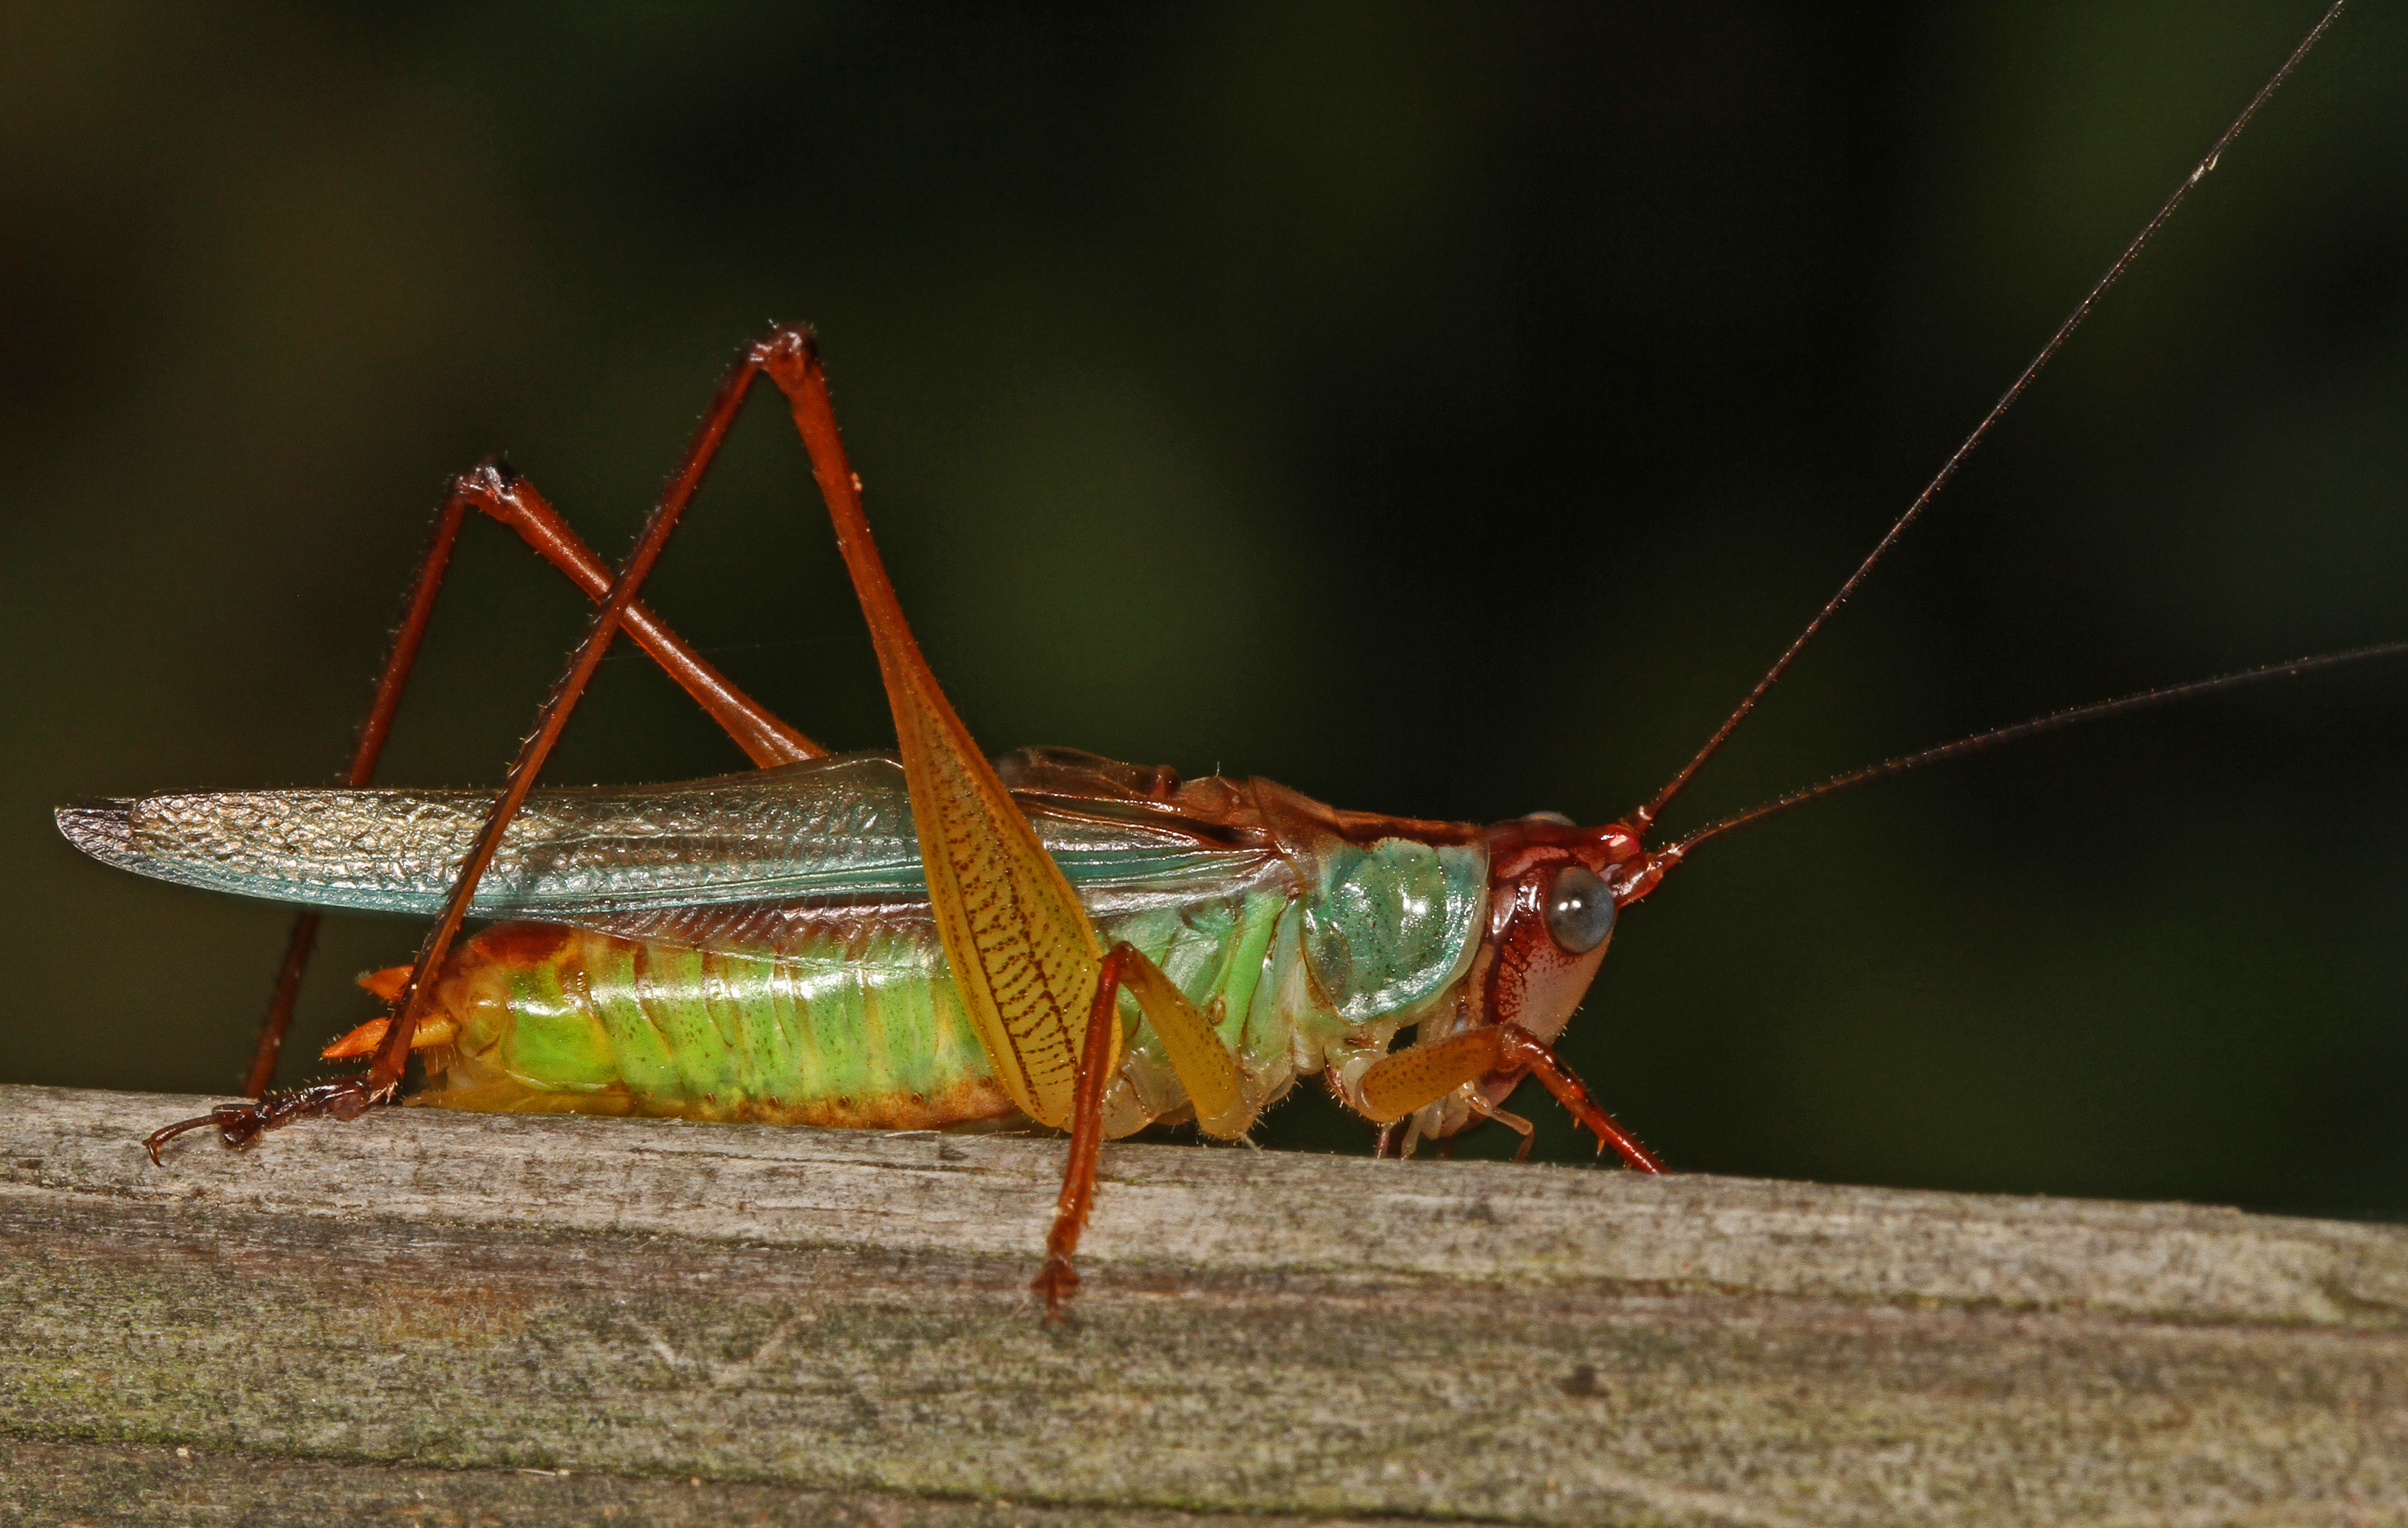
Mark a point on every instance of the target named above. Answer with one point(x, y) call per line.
point(435, 1317)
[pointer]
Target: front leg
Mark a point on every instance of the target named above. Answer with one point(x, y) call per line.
point(1423, 1074)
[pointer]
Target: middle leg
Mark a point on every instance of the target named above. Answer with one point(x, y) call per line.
point(1197, 1058)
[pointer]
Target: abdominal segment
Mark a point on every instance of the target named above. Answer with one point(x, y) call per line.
point(861, 1029)
point(855, 1025)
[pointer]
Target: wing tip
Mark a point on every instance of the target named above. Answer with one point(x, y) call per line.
point(102, 828)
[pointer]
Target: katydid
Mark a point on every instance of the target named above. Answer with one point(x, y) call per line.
point(931, 939)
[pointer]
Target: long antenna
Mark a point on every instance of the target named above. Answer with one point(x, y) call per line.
point(1647, 814)
point(2036, 727)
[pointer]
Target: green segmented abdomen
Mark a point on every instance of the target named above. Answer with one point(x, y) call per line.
point(859, 1026)
point(851, 1029)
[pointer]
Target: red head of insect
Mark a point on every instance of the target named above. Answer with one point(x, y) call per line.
point(1552, 900)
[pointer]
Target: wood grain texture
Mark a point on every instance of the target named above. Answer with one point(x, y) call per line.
point(390, 1321)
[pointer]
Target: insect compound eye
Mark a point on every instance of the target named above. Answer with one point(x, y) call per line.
point(1580, 909)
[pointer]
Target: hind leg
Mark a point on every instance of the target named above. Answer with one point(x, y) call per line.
point(495, 490)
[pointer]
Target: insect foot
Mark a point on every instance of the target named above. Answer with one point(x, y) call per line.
point(1056, 1283)
point(1520, 1051)
point(239, 1124)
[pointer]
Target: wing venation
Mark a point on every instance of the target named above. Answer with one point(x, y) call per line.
point(780, 847)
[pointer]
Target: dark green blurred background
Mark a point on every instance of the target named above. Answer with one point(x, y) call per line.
point(1445, 412)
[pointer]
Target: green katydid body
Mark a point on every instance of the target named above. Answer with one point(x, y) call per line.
point(824, 939)
point(761, 948)
point(926, 939)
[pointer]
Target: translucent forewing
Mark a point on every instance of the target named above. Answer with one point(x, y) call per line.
point(822, 833)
